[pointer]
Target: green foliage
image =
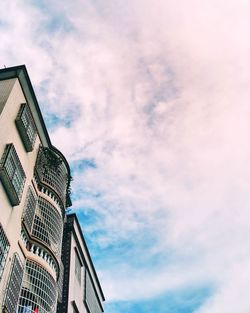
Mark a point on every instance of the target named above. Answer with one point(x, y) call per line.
point(50, 160)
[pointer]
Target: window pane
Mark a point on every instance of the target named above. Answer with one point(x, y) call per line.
point(26, 127)
point(4, 249)
point(48, 225)
point(77, 267)
point(38, 291)
point(12, 174)
point(91, 297)
point(30, 206)
point(14, 285)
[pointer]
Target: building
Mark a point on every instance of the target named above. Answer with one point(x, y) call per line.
point(81, 288)
point(34, 194)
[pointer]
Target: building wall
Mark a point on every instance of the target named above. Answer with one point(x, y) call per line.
point(10, 216)
point(33, 236)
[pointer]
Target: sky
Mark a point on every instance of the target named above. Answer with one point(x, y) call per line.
point(149, 100)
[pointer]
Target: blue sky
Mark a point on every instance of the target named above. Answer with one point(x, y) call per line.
point(149, 102)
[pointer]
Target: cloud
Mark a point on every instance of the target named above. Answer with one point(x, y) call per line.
point(155, 95)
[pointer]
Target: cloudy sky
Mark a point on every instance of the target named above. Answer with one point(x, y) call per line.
point(149, 100)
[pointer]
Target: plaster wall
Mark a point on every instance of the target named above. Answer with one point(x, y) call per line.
point(10, 216)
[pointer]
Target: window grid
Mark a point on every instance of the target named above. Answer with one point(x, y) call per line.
point(38, 293)
point(55, 177)
point(60, 281)
point(12, 174)
point(4, 249)
point(26, 127)
point(14, 285)
point(30, 207)
point(48, 225)
point(90, 296)
point(57, 180)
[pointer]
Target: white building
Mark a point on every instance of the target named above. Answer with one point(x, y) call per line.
point(82, 292)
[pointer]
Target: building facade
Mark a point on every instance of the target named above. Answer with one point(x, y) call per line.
point(82, 292)
point(34, 194)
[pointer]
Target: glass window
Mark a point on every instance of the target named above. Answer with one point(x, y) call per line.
point(14, 285)
point(91, 298)
point(52, 172)
point(12, 174)
point(48, 225)
point(4, 249)
point(75, 309)
point(30, 207)
point(78, 267)
point(38, 292)
point(26, 127)
point(60, 282)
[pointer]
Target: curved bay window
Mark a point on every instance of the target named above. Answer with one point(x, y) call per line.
point(38, 292)
point(52, 172)
point(48, 225)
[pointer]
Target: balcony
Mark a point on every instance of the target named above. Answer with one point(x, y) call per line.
point(52, 172)
point(43, 222)
point(38, 290)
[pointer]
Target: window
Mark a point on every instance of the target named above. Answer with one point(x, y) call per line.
point(90, 297)
point(78, 267)
point(26, 127)
point(48, 225)
point(30, 207)
point(52, 172)
point(12, 174)
point(14, 285)
point(38, 292)
point(75, 309)
point(4, 249)
point(60, 281)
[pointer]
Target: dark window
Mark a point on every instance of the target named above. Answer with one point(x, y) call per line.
point(60, 282)
point(75, 309)
point(26, 127)
point(90, 296)
point(12, 174)
point(4, 249)
point(30, 207)
point(78, 267)
point(14, 285)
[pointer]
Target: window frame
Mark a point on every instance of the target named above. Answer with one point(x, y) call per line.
point(78, 267)
point(14, 285)
point(26, 127)
point(12, 174)
point(4, 250)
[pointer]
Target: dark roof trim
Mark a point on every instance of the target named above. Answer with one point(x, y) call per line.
point(74, 216)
